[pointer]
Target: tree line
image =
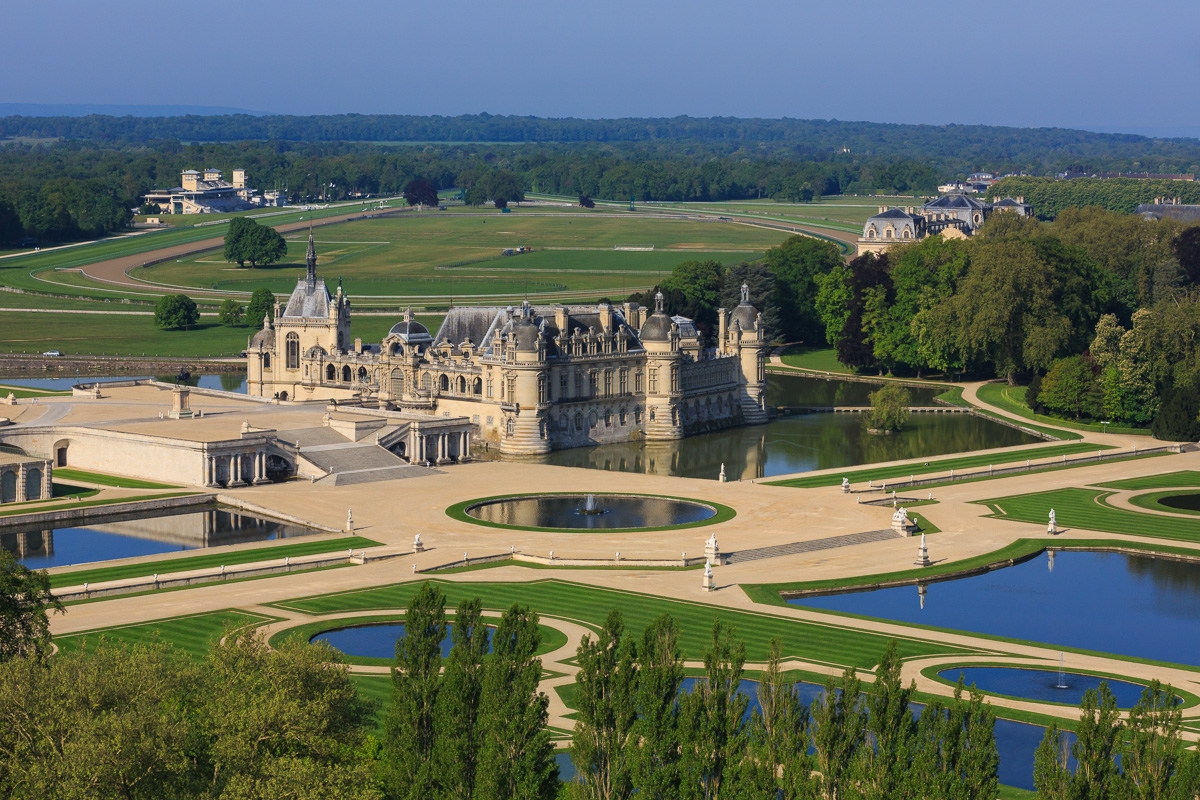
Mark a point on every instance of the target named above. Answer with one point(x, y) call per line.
point(1050, 197)
point(956, 148)
point(246, 720)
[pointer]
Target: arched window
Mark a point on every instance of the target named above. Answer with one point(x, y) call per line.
point(362, 374)
point(510, 427)
point(33, 484)
point(444, 383)
point(397, 383)
point(426, 381)
point(397, 349)
point(330, 372)
point(346, 374)
point(477, 387)
point(906, 234)
point(461, 385)
point(293, 351)
point(266, 360)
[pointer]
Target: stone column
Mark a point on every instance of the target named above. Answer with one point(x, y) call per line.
point(235, 470)
point(21, 474)
point(48, 480)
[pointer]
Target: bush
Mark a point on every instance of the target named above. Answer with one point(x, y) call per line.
point(889, 408)
point(1071, 388)
point(231, 312)
point(1177, 417)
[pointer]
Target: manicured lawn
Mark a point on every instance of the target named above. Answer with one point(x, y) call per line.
point(192, 634)
point(26, 392)
point(1151, 501)
point(954, 396)
point(205, 559)
point(1084, 508)
point(1012, 399)
point(89, 503)
point(821, 359)
point(879, 474)
point(103, 479)
point(1167, 480)
point(811, 641)
point(377, 688)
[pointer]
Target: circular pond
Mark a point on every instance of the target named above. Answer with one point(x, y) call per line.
point(374, 640)
point(590, 512)
point(1044, 685)
point(1183, 502)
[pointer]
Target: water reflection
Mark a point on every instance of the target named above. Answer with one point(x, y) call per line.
point(1130, 605)
point(794, 444)
point(128, 535)
point(612, 511)
point(795, 390)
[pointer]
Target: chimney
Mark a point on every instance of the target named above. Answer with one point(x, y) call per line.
point(722, 324)
point(560, 320)
point(605, 317)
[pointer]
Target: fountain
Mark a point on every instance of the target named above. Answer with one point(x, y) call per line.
point(1062, 675)
point(590, 508)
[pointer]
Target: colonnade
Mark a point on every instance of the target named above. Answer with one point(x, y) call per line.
point(20, 487)
point(236, 464)
point(437, 447)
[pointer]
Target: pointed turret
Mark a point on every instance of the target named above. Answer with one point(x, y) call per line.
point(310, 257)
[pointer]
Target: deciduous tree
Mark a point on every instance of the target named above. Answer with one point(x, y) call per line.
point(176, 311)
point(25, 604)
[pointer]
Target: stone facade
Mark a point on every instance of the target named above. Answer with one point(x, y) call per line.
point(954, 215)
point(25, 478)
point(529, 379)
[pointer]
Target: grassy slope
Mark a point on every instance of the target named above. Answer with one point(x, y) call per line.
point(822, 359)
point(878, 474)
point(206, 559)
point(805, 640)
point(192, 634)
point(1083, 508)
point(102, 479)
point(1012, 400)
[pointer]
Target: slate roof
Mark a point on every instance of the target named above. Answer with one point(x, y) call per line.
point(310, 300)
point(955, 201)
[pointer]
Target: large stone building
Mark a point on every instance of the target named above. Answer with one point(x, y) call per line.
point(529, 379)
point(954, 215)
point(208, 192)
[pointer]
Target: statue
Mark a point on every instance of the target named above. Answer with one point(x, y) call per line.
point(418, 545)
point(349, 520)
point(1052, 528)
point(901, 522)
point(707, 583)
point(712, 551)
point(722, 478)
point(923, 554)
point(845, 486)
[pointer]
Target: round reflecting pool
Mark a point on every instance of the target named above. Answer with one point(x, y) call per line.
point(1183, 502)
point(1042, 684)
point(374, 640)
point(590, 512)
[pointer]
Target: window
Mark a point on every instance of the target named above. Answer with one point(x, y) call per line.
point(461, 385)
point(362, 374)
point(491, 420)
point(397, 383)
point(293, 351)
point(266, 360)
point(653, 381)
point(637, 416)
point(674, 379)
point(346, 374)
point(330, 372)
point(624, 381)
point(578, 385)
point(477, 387)
point(562, 385)
point(621, 417)
point(607, 418)
point(444, 383)
point(510, 427)
point(541, 389)
point(578, 422)
point(591, 384)
point(607, 382)
point(637, 382)
point(489, 387)
point(511, 380)
point(427, 381)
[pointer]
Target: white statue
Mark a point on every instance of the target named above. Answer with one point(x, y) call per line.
point(722, 478)
point(349, 520)
point(922, 554)
point(707, 583)
point(845, 486)
point(1053, 526)
point(418, 545)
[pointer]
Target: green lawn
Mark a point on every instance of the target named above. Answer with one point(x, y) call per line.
point(1167, 480)
point(102, 479)
point(1151, 502)
point(1084, 508)
point(821, 359)
point(1012, 400)
point(193, 634)
point(880, 474)
point(830, 643)
point(89, 503)
point(207, 558)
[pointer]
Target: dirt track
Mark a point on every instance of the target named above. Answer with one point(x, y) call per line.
point(114, 271)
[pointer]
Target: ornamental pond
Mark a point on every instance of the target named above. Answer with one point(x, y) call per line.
point(128, 535)
point(1129, 605)
point(802, 442)
point(590, 512)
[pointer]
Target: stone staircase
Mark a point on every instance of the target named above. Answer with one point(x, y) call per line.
point(828, 543)
point(345, 463)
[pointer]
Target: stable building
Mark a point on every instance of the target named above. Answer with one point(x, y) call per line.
point(954, 215)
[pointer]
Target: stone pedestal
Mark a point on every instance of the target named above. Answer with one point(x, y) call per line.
point(180, 403)
point(708, 579)
point(712, 551)
point(902, 524)
point(418, 545)
point(923, 554)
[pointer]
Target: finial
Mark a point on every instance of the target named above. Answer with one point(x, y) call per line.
point(745, 293)
point(658, 302)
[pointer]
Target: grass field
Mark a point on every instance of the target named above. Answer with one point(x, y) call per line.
point(442, 254)
point(1085, 508)
point(1012, 400)
point(821, 359)
point(1151, 502)
point(1167, 480)
point(205, 559)
point(102, 479)
point(815, 642)
point(193, 634)
point(879, 474)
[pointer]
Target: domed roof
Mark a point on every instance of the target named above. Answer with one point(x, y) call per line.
point(746, 315)
point(656, 329)
point(526, 334)
point(407, 328)
point(264, 339)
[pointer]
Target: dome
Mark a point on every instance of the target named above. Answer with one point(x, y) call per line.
point(264, 339)
point(527, 335)
point(746, 316)
point(408, 328)
point(656, 329)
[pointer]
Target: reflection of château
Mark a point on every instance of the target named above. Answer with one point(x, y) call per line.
point(530, 379)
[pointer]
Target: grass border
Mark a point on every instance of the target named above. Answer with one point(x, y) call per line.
point(1150, 501)
point(458, 511)
point(986, 395)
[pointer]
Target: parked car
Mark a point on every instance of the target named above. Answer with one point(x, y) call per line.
point(53, 353)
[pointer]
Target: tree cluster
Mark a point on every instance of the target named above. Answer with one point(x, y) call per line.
point(640, 734)
point(246, 240)
point(1050, 197)
point(1112, 759)
point(176, 311)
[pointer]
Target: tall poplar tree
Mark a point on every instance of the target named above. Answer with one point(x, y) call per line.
point(455, 722)
point(606, 696)
point(890, 730)
point(516, 758)
point(416, 678)
point(840, 723)
point(779, 732)
point(1152, 746)
point(656, 764)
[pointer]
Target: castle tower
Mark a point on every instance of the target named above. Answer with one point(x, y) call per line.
point(660, 338)
point(742, 335)
point(526, 403)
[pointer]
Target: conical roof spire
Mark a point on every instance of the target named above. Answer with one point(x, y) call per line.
point(310, 257)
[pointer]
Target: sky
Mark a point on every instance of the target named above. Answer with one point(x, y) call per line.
point(1100, 65)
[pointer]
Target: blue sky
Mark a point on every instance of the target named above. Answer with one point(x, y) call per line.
point(1100, 65)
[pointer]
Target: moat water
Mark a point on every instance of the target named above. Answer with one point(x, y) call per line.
point(229, 382)
point(1183, 502)
point(377, 640)
point(800, 443)
point(129, 535)
point(1130, 605)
